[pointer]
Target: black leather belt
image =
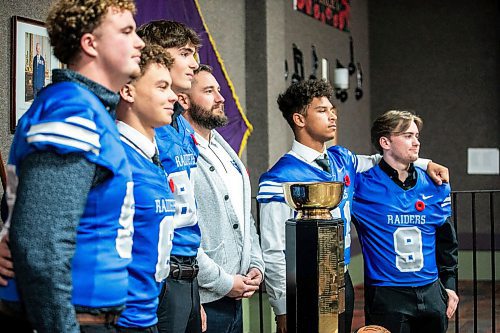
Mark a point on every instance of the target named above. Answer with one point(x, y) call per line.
point(97, 319)
point(179, 271)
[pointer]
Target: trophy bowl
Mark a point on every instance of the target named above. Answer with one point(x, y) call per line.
point(313, 200)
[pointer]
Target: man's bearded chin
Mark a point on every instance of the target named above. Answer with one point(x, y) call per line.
point(206, 118)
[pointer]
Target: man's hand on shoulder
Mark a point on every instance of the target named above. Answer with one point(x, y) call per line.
point(438, 173)
point(6, 266)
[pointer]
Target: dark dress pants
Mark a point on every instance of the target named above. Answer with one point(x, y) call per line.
point(224, 316)
point(349, 302)
point(407, 309)
point(179, 307)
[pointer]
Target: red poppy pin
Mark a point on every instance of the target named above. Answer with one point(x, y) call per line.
point(172, 185)
point(347, 180)
point(420, 205)
point(194, 139)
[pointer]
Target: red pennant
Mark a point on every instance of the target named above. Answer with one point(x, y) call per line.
point(172, 185)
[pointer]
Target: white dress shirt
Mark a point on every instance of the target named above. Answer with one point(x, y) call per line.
point(137, 140)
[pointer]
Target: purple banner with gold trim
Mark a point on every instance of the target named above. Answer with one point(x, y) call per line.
point(238, 129)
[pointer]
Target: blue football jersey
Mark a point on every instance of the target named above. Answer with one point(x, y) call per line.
point(67, 118)
point(153, 234)
point(397, 228)
point(178, 154)
point(291, 169)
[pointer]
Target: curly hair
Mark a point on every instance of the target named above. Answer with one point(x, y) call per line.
point(168, 34)
point(154, 54)
point(392, 122)
point(299, 95)
point(69, 20)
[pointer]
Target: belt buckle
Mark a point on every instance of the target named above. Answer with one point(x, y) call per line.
point(175, 270)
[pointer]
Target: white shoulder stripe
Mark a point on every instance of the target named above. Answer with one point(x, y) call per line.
point(66, 130)
point(271, 189)
point(268, 182)
point(63, 141)
point(82, 121)
point(268, 196)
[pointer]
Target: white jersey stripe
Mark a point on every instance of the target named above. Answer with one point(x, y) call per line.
point(82, 122)
point(268, 196)
point(271, 189)
point(84, 146)
point(270, 183)
point(66, 130)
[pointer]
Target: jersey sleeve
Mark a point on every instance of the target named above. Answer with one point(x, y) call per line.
point(270, 191)
point(66, 130)
point(364, 163)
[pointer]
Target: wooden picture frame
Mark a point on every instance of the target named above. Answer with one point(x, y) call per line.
point(3, 173)
point(31, 69)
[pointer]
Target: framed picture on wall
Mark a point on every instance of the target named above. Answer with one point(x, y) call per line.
point(32, 61)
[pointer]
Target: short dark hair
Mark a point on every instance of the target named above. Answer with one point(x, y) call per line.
point(392, 122)
point(168, 34)
point(68, 21)
point(203, 68)
point(299, 95)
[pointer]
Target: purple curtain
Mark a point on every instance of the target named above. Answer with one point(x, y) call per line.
point(239, 128)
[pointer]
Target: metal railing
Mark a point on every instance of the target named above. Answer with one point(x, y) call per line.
point(478, 207)
point(474, 208)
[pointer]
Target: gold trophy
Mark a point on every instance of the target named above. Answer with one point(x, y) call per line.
point(315, 258)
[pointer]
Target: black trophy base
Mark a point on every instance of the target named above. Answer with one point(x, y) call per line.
point(303, 269)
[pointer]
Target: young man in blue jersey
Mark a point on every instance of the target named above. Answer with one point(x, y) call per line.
point(409, 245)
point(146, 103)
point(230, 259)
point(70, 185)
point(306, 107)
point(179, 307)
